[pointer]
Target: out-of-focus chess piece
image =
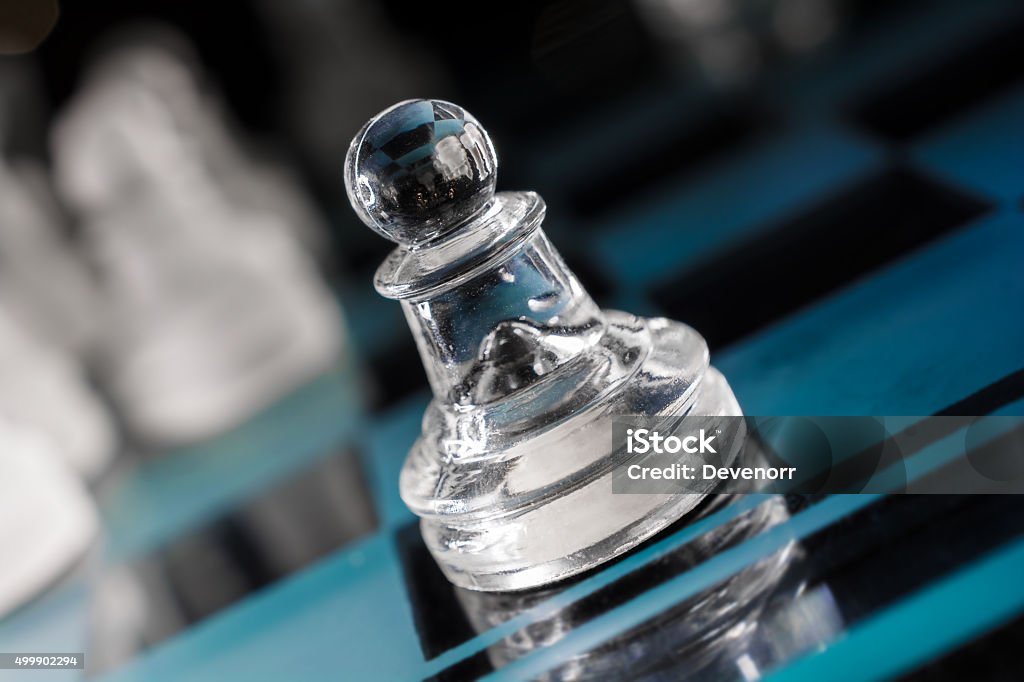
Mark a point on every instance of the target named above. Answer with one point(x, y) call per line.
point(213, 310)
point(47, 297)
point(43, 283)
point(511, 474)
point(48, 522)
point(46, 319)
point(45, 388)
point(729, 41)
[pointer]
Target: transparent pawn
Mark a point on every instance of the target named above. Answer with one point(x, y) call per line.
point(511, 474)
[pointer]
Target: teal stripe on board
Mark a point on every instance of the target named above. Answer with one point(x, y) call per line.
point(343, 618)
point(182, 489)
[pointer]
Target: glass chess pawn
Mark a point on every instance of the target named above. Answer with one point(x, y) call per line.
point(511, 474)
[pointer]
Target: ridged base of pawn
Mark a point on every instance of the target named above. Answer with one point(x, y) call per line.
point(535, 532)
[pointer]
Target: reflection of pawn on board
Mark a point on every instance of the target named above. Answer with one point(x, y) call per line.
point(703, 636)
point(511, 474)
point(213, 309)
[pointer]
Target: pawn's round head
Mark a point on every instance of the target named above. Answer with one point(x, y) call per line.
point(418, 169)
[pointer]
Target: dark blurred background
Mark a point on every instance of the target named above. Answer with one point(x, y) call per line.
point(599, 106)
point(186, 296)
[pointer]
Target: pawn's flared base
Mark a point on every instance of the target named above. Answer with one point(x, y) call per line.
point(542, 509)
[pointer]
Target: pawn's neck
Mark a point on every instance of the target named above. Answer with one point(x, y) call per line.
point(505, 326)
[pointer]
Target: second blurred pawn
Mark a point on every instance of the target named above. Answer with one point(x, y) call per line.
point(47, 316)
point(48, 522)
point(213, 309)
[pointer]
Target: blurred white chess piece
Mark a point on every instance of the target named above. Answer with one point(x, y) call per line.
point(48, 522)
point(43, 285)
point(44, 388)
point(46, 318)
point(730, 40)
point(213, 308)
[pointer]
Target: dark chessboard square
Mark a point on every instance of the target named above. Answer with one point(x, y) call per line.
point(946, 87)
point(995, 656)
point(791, 265)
